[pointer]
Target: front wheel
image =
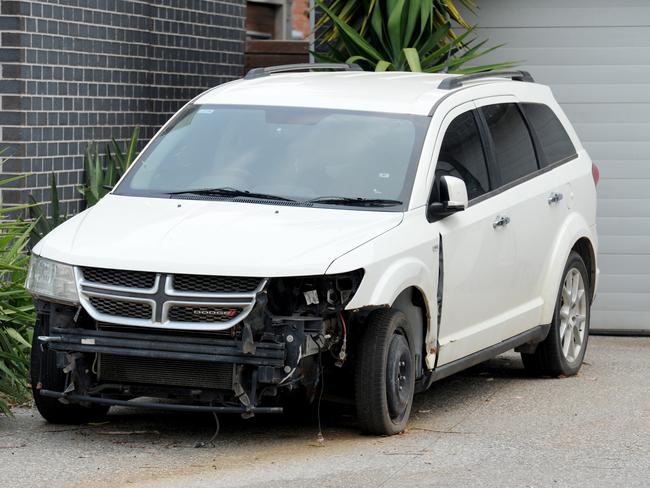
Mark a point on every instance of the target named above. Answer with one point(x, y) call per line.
point(384, 374)
point(563, 350)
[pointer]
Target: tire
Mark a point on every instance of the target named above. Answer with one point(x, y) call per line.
point(563, 350)
point(43, 369)
point(384, 374)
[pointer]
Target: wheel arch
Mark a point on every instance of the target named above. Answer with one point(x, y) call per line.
point(585, 248)
point(413, 303)
point(574, 234)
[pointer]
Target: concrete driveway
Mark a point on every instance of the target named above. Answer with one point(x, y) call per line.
point(489, 426)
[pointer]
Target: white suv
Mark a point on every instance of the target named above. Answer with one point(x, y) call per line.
point(383, 229)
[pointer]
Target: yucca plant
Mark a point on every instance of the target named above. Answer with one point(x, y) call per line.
point(101, 174)
point(400, 35)
point(43, 224)
point(16, 308)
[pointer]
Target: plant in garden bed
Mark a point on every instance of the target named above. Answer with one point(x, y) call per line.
point(102, 174)
point(16, 308)
point(400, 35)
point(43, 224)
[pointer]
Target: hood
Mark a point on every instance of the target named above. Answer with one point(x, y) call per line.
point(212, 237)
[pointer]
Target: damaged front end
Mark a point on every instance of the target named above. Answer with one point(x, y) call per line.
point(220, 344)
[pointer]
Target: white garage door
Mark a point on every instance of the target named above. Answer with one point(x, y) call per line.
point(595, 55)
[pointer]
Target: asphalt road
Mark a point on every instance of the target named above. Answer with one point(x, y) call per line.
point(489, 426)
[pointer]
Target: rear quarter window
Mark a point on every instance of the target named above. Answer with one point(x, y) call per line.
point(555, 141)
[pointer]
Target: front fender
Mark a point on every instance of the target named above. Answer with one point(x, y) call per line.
point(393, 280)
point(390, 268)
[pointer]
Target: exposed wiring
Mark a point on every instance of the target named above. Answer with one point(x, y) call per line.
point(294, 369)
point(214, 436)
point(343, 352)
point(319, 437)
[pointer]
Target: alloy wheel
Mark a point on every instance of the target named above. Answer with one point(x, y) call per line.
point(573, 315)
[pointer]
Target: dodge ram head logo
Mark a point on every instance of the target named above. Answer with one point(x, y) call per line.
point(216, 312)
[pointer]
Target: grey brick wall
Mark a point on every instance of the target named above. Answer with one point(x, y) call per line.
point(74, 71)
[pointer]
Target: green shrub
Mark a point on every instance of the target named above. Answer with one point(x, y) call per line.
point(16, 308)
point(101, 174)
point(43, 224)
point(400, 35)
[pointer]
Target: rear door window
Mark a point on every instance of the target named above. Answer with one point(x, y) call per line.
point(462, 156)
point(556, 144)
point(513, 146)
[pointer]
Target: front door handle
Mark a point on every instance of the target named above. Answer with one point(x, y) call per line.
point(554, 197)
point(501, 221)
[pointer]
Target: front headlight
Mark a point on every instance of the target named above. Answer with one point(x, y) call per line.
point(50, 279)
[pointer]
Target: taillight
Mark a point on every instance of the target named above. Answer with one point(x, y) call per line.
point(595, 172)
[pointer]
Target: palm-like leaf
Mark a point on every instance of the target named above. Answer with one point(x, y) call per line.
point(103, 173)
point(400, 35)
point(16, 308)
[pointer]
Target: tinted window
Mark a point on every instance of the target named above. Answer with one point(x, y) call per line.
point(461, 155)
point(554, 139)
point(513, 146)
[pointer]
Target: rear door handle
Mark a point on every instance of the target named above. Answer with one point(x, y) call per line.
point(501, 221)
point(554, 197)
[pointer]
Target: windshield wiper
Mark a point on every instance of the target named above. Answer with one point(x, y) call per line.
point(356, 201)
point(231, 192)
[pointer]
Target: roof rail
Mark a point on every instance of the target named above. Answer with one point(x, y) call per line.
point(285, 68)
point(458, 81)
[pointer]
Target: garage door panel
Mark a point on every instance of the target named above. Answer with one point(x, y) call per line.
point(514, 14)
point(628, 207)
point(624, 226)
point(606, 93)
point(621, 112)
point(618, 132)
point(623, 283)
point(624, 244)
point(576, 56)
point(624, 189)
point(624, 264)
point(561, 37)
point(626, 169)
point(622, 302)
point(602, 319)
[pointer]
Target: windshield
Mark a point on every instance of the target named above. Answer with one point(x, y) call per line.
point(318, 155)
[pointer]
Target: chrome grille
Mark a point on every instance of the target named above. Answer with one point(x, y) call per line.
point(203, 314)
point(118, 277)
point(171, 372)
point(118, 308)
point(215, 284)
point(161, 300)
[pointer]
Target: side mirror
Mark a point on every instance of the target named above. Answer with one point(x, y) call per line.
point(453, 198)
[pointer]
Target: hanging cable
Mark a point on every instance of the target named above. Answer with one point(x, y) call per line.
point(210, 442)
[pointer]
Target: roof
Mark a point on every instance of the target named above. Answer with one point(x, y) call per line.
point(394, 92)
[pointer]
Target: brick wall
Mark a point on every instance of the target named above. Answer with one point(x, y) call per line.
point(74, 71)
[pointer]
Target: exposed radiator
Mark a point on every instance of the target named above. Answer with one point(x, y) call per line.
point(171, 372)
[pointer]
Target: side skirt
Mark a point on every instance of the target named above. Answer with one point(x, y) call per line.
point(534, 335)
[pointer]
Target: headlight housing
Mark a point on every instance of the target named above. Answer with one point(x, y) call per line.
point(53, 280)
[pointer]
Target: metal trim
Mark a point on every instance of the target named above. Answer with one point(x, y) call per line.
point(158, 406)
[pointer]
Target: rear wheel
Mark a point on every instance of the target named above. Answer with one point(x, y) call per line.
point(563, 350)
point(44, 374)
point(385, 374)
